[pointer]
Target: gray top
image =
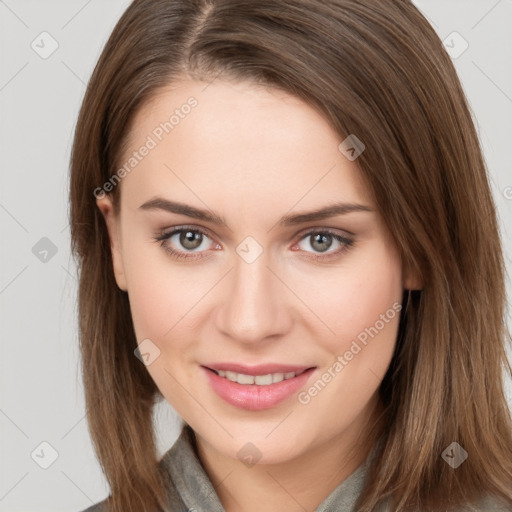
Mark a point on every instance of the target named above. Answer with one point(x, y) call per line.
point(190, 490)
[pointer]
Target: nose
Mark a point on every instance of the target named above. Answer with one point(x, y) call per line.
point(255, 306)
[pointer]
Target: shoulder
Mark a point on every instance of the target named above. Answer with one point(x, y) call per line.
point(98, 507)
point(486, 504)
point(490, 504)
point(179, 454)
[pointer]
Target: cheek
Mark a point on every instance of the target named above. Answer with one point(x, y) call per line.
point(360, 296)
point(162, 298)
point(162, 294)
point(363, 309)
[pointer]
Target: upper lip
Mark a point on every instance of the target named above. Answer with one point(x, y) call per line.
point(260, 369)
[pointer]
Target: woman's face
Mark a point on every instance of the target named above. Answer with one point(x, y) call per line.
point(255, 285)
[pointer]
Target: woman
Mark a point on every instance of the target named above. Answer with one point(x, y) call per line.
point(284, 227)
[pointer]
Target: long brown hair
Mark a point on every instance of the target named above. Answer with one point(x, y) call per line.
point(376, 69)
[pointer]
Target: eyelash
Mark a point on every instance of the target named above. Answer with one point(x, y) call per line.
point(183, 255)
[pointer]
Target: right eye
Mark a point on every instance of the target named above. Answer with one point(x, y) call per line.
point(183, 242)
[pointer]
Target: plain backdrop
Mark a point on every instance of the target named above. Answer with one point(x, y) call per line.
point(41, 87)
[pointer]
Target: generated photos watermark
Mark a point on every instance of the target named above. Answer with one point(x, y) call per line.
point(341, 361)
point(152, 141)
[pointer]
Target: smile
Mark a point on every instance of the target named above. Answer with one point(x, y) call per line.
point(259, 380)
point(256, 388)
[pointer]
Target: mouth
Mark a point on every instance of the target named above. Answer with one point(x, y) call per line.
point(259, 380)
point(257, 387)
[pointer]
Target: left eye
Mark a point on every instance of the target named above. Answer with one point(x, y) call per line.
point(321, 241)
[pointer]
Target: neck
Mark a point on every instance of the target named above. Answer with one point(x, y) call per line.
point(293, 485)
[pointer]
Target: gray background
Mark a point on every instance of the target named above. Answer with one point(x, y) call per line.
point(41, 397)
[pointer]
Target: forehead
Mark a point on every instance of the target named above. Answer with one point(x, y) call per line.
point(240, 141)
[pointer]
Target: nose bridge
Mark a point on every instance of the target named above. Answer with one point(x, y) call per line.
point(254, 307)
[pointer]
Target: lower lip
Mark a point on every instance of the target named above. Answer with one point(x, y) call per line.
point(252, 396)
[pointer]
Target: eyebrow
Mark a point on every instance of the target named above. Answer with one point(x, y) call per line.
point(159, 203)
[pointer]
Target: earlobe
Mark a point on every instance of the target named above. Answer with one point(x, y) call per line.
point(412, 280)
point(112, 222)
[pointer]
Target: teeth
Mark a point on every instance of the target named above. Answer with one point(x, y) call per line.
point(260, 380)
point(277, 377)
point(231, 376)
point(263, 380)
point(244, 379)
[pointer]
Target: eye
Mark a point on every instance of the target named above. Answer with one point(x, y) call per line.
point(322, 240)
point(183, 242)
point(188, 240)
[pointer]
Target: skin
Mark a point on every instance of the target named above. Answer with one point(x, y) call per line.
point(252, 155)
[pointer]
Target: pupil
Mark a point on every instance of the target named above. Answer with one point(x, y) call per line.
point(189, 239)
point(323, 239)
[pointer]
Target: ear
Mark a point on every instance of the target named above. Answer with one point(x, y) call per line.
point(112, 221)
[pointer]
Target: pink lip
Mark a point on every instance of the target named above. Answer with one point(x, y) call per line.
point(251, 396)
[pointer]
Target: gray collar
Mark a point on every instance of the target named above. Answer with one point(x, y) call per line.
point(189, 487)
